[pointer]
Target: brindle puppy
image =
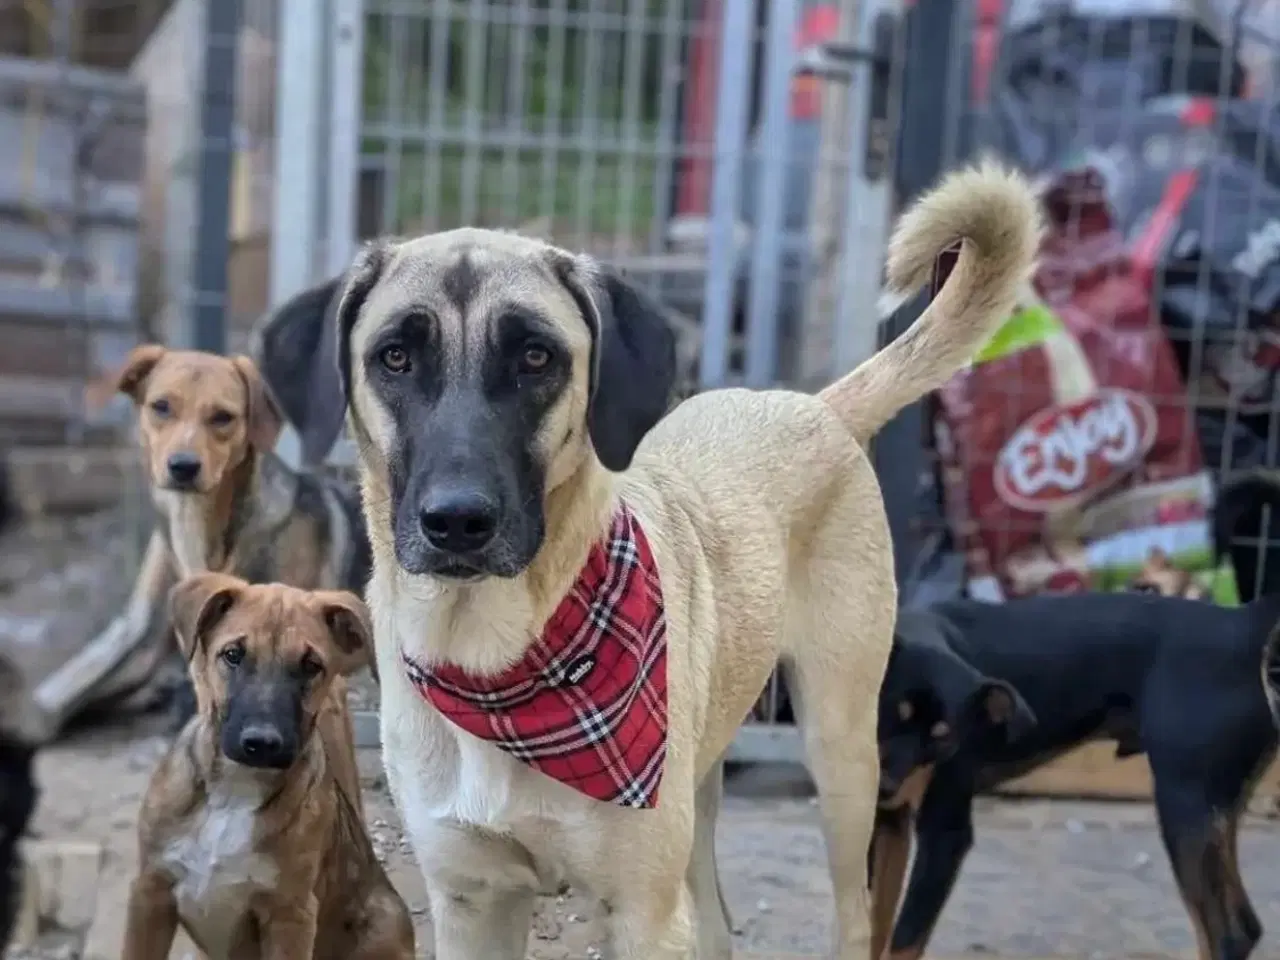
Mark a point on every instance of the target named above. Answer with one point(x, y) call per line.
point(250, 834)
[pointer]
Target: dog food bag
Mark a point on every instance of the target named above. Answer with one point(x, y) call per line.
point(1069, 458)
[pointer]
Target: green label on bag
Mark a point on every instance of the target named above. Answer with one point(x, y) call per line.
point(1029, 327)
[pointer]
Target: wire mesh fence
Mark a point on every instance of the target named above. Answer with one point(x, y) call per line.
point(1088, 446)
point(743, 160)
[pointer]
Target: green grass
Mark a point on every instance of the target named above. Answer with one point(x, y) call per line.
point(580, 194)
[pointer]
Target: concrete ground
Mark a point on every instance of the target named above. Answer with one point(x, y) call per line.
point(1045, 878)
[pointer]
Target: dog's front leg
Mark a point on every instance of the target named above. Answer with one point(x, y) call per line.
point(481, 923)
point(944, 834)
point(714, 925)
point(288, 928)
point(152, 920)
point(890, 851)
point(654, 921)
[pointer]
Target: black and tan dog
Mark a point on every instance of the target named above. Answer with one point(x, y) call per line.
point(1122, 667)
point(18, 793)
point(251, 833)
point(225, 502)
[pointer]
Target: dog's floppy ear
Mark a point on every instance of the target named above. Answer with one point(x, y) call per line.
point(265, 421)
point(197, 603)
point(293, 347)
point(132, 378)
point(999, 705)
point(633, 358)
point(330, 389)
point(350, 629)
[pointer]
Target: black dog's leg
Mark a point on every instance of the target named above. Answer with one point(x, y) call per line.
point(944, 834)
point(1201, 848)
point(886, 869)
point(1242, 912)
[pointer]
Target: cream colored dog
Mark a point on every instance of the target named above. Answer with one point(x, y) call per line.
point(504, 395)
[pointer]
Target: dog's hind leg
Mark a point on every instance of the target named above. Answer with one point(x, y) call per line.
point(839, 728)
point(715, 928)
point(944, 834)
point(1201, 853)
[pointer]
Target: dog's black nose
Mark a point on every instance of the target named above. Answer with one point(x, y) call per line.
point(262, 746)
point(459, 522)
point(184, 468)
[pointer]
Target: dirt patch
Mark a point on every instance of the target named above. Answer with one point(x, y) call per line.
point(91, 789)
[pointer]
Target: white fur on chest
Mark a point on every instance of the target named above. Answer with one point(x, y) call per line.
point(187, 537)
point(216, 870)
point(439, 773)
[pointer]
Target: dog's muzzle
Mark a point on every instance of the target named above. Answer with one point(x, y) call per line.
point(262, 746)
point(184, 470)
point(459, 523)
point(461, 535)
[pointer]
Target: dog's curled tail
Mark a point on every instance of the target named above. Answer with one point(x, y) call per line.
point(996, 212)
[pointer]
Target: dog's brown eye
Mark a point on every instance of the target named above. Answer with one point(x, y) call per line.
point(220, 418)
point(233, 655)
point(535, 358)
point(160, 407)
point(311, 667)
point(394, 359)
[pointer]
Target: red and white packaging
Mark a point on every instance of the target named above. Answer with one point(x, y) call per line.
point(1068, 451)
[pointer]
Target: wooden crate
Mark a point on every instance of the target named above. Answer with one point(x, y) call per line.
point(1092, 771)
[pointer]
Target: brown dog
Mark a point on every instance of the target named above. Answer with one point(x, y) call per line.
point(251, 835)
point(208, 425)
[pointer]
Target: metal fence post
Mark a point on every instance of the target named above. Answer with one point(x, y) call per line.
point(826, 207)
point(343, 135)
point(346, 91)
point(298, 159)
point(208, 316)
point(733, 95)
point(772, 164)
point(300, 53)
point(866, 218)
point(920, 157)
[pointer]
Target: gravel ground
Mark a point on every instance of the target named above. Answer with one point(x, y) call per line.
point(1045, 878)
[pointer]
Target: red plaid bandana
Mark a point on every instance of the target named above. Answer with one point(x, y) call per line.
point(588, 703)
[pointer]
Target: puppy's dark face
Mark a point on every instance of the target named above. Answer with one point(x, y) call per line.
point(931, 705)
point(263, 659)
point(482, 370)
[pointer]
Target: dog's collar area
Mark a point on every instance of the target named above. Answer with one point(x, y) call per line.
point(587, 704)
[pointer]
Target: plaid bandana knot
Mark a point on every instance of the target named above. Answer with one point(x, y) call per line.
point(587, 705)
